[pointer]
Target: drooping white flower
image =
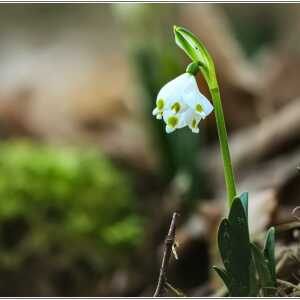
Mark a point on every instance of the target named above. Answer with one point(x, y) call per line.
point(181, 104)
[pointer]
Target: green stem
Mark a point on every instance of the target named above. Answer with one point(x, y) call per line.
point(228, 171)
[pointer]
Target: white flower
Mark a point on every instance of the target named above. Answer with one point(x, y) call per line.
point(181, 104)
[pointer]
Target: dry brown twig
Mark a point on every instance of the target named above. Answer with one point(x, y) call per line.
point(170, 242)
point(294, 213)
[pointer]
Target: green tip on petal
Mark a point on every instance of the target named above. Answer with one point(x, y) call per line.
point(172, 121)
point(176, 107)
point(160, 104)
point(199, 108)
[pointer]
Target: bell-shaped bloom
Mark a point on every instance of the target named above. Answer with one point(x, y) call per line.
point(179, 103)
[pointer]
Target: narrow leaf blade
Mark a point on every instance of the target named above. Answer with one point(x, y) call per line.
point(269, 252)
point(224, 243)
point(224, 276)
point(254, 286)
point(264, 274)
point(240, 259)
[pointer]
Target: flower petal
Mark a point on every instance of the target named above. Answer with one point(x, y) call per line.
point(155, 111)
point(189, 84)
point(199, 103)
point(192, 120)
point(171, 92)
point(169, 129)
point(174, 120)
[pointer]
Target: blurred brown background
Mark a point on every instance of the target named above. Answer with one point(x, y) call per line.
point(89, 180)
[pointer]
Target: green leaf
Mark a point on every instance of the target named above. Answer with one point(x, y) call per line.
point(196, 51)
point(264, 274)
point(254, 286)
point(240, 247)
point(226, 279)
point(224, 243)
point(235, 250)
point(269, 252)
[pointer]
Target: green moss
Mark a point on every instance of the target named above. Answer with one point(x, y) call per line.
point(67, 198)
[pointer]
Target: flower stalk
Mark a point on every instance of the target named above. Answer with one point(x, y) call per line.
point(223, 140)
point(191, 45)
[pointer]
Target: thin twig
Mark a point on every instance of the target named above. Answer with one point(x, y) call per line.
point(170, 239)
point(287, 226)
point(294, 213)
point(221, 292)
point(174, 290)
point(288, 284)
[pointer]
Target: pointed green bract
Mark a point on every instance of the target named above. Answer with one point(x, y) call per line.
point(196, 51)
